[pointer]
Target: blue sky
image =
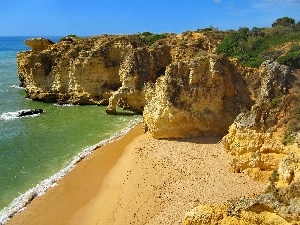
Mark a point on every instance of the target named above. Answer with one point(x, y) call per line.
point(93, 17)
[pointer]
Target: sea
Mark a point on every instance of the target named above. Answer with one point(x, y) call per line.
point(36, 151)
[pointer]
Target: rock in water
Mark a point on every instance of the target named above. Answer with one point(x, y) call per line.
point(30, 112)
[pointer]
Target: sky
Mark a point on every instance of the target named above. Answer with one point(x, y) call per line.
point(96, 17)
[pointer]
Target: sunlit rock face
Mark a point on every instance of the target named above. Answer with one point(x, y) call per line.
point(196, 97)
point(38, 44)
point(75, 71)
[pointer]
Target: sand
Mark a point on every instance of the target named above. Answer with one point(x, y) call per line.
point(140, 180)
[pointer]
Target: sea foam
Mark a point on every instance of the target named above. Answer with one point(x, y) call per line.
point(9, 116)
point(21, 202)
point(17, 87)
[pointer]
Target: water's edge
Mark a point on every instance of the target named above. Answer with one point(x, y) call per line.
point(21, 202)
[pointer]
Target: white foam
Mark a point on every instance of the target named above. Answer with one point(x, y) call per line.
point(20, 203)
point(65, 105)
point(9, 116)
point(16, 86)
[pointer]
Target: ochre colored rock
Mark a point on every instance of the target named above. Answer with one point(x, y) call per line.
point(38, 44)
point(255, 138)
point(108, 69)
point(195, 97)
point(264, 141)
point(81, 71)
point(213, 215)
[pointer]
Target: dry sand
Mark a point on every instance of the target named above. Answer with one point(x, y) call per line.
point(140, 180)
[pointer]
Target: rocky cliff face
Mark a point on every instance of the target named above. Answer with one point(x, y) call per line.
point(265, 143)
point(108, 70)
point(183, 89)
point(258, 137)
point(199, 96)
point(75, 71)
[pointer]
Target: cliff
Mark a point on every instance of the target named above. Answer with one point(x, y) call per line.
point(104, 69)
point(265, 143)
point(199, 96)
point(74, 71)
point(184, 89)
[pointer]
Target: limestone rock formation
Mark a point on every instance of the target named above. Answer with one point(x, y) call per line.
point(195, 97)
point(264, 142)
point(30, 112)
point(38, 44)
point(140, 66)
point(256, 136)
point(74, 70)
point(109, 69)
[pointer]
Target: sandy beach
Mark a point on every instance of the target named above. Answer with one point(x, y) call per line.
point(140, 180)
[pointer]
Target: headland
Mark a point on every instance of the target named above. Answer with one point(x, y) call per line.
point(199, 83)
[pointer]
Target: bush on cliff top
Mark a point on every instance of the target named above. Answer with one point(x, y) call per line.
point(149, 38)
point(252, 47)
point(72, 36)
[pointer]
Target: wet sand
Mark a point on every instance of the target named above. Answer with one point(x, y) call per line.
point(140, 180)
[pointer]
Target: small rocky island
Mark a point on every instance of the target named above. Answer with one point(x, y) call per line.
point(30, 112)
point(184, 87)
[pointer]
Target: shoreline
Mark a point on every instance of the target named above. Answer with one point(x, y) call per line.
point(140, 180)
point(21, 202)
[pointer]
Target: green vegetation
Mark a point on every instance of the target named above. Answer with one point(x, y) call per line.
point(289, 137)
point(284, 22)
point(149, 38)
point(206, 29)
point(254, 46)
point(274, 177)
point(292, 57)
point(275, 102)
point(294, 127)
point(71, 36)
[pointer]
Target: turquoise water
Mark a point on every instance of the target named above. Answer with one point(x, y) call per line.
point(34, 148)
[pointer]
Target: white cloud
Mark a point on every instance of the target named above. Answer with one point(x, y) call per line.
point(274, 3)
point(217, 1)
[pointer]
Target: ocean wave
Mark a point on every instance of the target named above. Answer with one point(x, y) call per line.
point(21, 202)
point(14, 115)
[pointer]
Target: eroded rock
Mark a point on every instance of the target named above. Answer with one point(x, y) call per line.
point(196, 97)
point(256, 136)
